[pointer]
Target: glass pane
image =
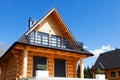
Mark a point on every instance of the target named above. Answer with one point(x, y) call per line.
point(113, 74)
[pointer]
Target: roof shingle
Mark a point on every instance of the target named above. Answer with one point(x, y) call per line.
point(108, 60)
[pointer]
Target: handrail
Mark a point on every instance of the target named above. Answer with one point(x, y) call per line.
point(57, 41)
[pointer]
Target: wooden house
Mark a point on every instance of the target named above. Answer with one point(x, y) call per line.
point(47, 42)
point(109, 63)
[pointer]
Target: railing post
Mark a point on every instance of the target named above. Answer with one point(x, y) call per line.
point(62, 42)
point(36, 37)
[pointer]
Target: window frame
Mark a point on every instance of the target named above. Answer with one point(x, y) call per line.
point(119, 73)
point(113, 74)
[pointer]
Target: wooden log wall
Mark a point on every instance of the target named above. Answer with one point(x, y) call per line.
point(70, 58)
point(50, 66)
point(71, 68)
point(11, 69)
point(70, 64)
point(3, 70)
point(8, 68)
point(29, 65)
point(50, 63)
point(15, 63)
point(19, 61)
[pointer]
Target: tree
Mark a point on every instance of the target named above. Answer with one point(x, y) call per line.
point(87, 72)
point(78, 71)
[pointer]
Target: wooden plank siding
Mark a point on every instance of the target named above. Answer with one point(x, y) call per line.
point(55, 27)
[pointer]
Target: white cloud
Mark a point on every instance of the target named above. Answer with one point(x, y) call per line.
point(103, 49)
point(85, 47)
point(91, 60)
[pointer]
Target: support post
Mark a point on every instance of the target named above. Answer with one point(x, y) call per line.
point(25, 54)
point(81, 69)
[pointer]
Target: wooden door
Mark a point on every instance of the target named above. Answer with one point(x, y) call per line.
point(60, 68)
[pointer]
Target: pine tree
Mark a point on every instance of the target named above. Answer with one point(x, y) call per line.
point(87, 72)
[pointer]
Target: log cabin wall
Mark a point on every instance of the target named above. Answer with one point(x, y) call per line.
point(50, 66)
point(3, 70)
point(71, 68)
point(11, 69)
point(16, 61)
point(8, 68)
point(19, 59)
point(71, 62)
point(108, 74)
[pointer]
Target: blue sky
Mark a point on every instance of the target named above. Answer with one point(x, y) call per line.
point(96, 23)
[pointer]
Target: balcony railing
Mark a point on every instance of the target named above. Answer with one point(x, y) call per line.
point(52, 40)
point(59, 78)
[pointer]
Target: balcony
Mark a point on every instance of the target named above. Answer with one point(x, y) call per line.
point(45, 39)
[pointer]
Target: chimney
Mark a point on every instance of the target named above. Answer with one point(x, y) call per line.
point(31, 22)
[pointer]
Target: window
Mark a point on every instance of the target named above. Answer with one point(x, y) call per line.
point(119, 73)
point(113, 74)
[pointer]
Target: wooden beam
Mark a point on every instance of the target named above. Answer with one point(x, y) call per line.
point(81, 69)
point(25, 56)
point(51, 51)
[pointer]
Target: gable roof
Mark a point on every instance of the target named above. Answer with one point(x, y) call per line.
point(108, 60)
point(53, 10)
point(23, 39)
